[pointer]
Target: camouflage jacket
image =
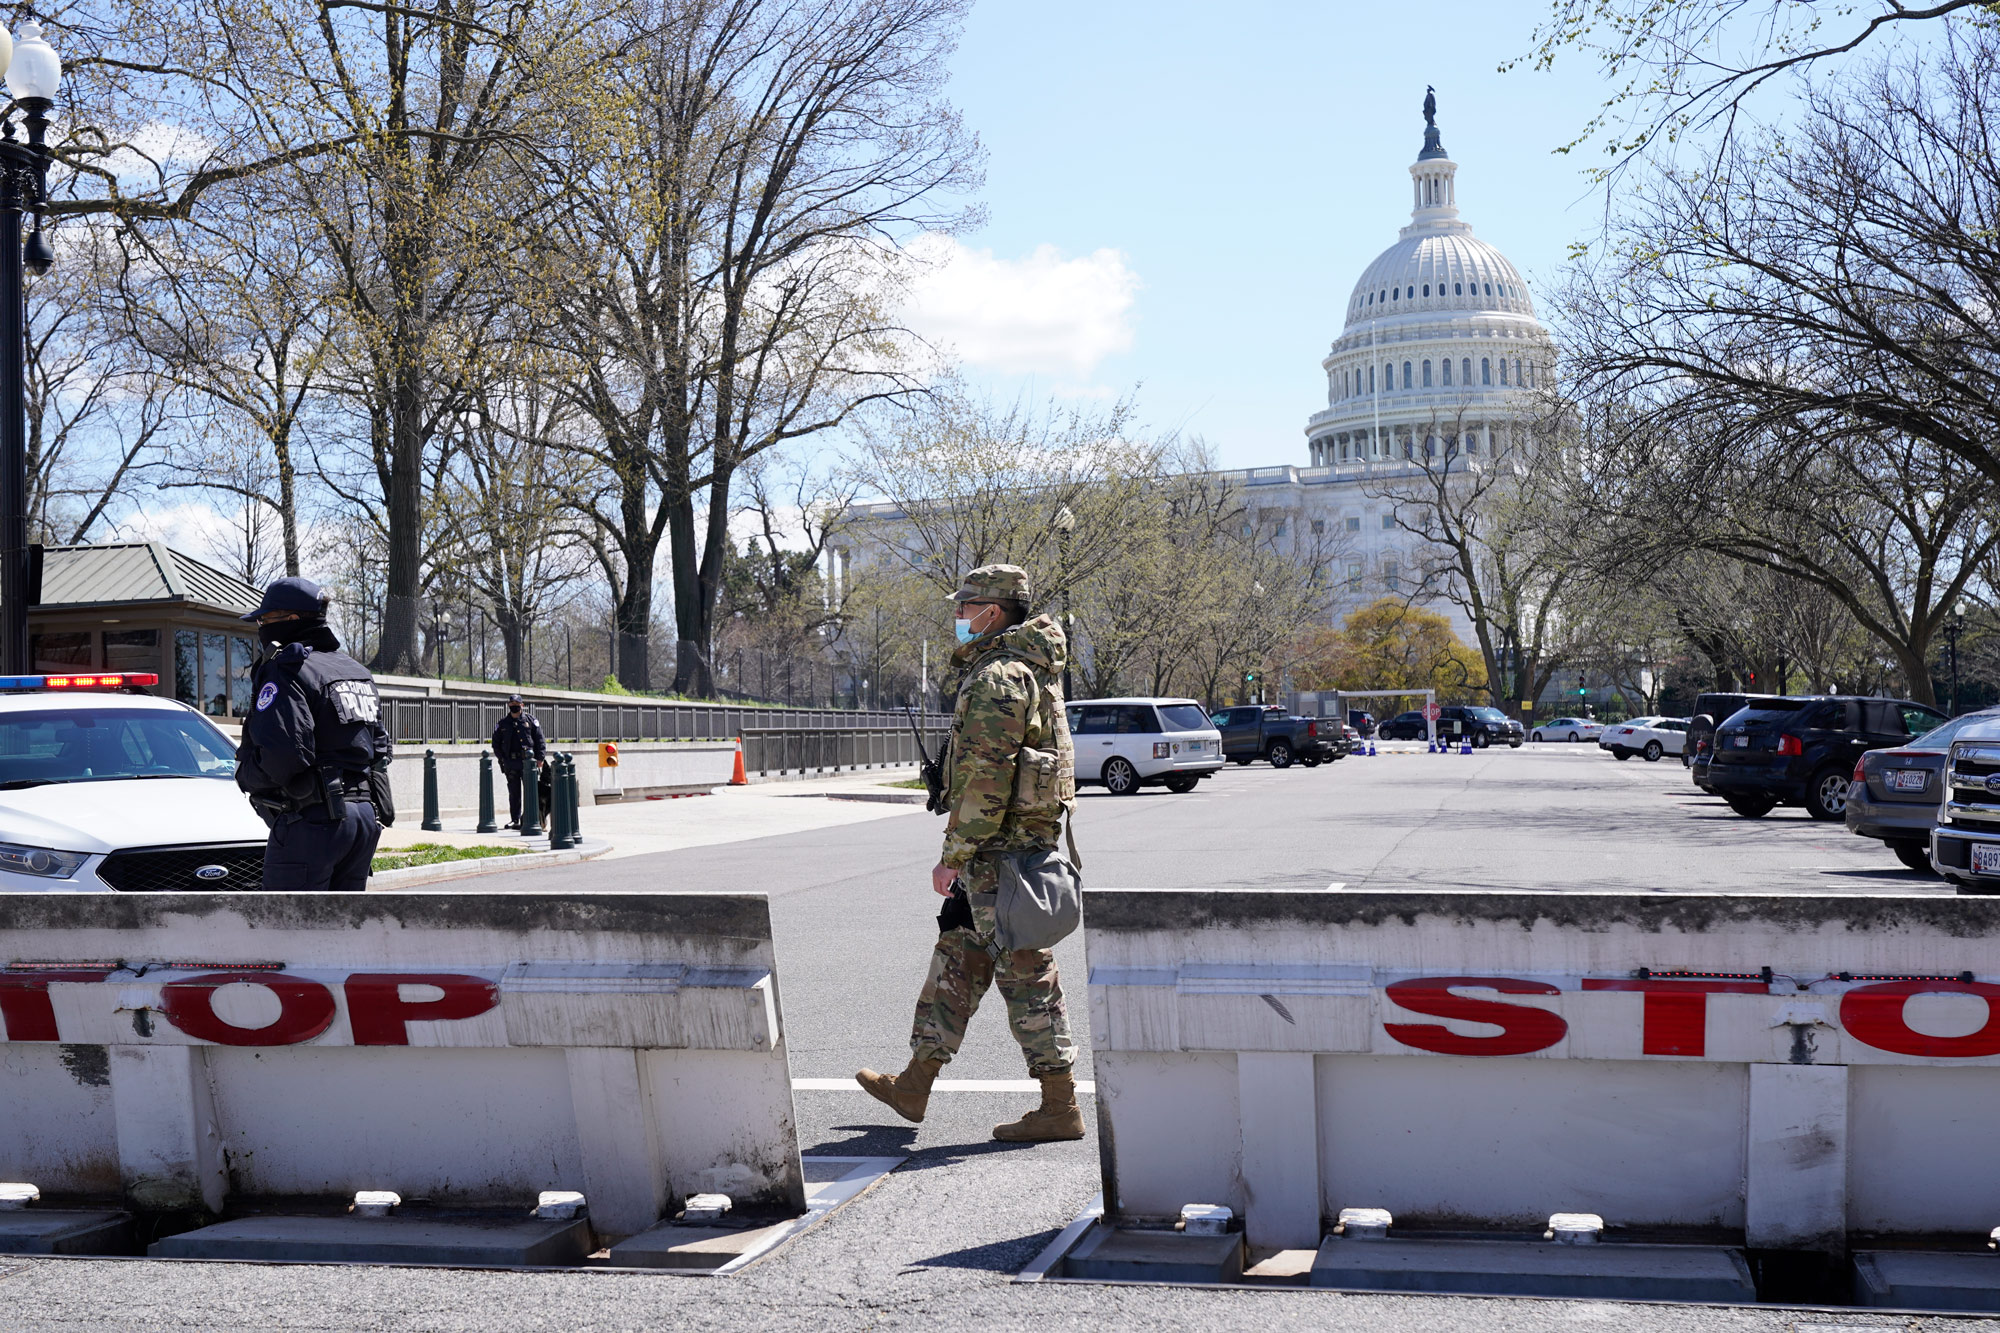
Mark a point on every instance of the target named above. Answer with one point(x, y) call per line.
point(1009, 766)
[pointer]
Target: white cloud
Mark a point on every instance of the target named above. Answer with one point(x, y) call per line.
point(1040, 314)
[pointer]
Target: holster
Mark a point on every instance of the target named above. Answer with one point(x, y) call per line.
point(956, 912)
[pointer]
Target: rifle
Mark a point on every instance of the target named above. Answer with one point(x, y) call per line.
point(931, 769)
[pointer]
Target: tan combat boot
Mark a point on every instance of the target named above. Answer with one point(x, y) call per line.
point(908, 1093)
point(1056, 1119)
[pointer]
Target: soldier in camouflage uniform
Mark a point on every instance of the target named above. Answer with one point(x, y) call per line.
point(1010, 780)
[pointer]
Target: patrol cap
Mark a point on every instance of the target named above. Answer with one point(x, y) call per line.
point(513, 698)
point(291, 593)
point(994, 583)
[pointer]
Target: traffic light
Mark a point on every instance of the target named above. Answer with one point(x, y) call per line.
point(1581, 691)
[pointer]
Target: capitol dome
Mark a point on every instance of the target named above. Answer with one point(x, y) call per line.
point(1440, 340)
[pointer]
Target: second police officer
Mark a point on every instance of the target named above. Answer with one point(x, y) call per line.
point(315, 757)
point(517, 744)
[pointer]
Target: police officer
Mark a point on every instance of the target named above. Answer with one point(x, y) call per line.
point(314, 752)
point(516, 742)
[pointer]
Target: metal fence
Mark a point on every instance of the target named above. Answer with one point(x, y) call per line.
point(471, 722)
point(793, 750)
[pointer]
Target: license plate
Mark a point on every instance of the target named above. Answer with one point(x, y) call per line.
point(1986, 860)
point(1740, 742)
point(1907, 779)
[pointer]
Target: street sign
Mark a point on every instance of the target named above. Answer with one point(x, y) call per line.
point(1432, 712)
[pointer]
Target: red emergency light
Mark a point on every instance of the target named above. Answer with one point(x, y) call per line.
point(116, 680)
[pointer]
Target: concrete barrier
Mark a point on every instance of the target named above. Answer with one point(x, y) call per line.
point(183, 1055)
point(1794, 1071)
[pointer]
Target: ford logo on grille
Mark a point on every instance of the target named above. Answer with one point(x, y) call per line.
point(211, 872)
point(1993, 783)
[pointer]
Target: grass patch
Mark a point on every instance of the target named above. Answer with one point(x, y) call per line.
point(915, 784)
point(434, 853)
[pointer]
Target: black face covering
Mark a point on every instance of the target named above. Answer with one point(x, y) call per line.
point(313, 633)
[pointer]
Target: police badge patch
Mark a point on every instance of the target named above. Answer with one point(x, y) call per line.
point(265, 695)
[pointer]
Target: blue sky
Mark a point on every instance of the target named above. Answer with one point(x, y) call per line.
point(1205, 183)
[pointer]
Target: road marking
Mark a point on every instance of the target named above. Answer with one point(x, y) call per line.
point(942, 1085)
point(1338, 884)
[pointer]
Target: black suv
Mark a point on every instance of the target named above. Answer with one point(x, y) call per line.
point(1710, 712)
point(1486, 726)
point(1802, 750)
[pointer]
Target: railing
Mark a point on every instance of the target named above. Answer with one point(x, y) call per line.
point(471, 722)
point(789, 750)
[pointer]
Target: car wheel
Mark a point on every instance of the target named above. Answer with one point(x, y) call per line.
point(1241, 763)
point(1535, 735)
point(1653, 751)
point(1182, 785)
point(1280, 754)
point(1481, 740)
point(1826, 794)
point(1575, 736)
point(1620, 753)
point(1915, 855)
point(1751, 807)
point(1120, 778)
point(1513, 745)
point(1309, 760)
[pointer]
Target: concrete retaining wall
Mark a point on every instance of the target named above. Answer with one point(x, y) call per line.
point(643, 768)
point(1795, 1069)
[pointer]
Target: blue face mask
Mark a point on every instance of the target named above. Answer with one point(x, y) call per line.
point(963, 628)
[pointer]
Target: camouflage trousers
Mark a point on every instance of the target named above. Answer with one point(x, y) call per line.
point(964, 963)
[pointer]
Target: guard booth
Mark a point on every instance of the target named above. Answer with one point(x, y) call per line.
point(141, 606)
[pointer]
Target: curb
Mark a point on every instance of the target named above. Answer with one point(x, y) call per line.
point(413, 876)
point(886, 797)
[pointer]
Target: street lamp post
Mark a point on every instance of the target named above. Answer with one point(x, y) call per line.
point(1952, 628)
point(1064, 523)
point(440, 631)
point(34, 74)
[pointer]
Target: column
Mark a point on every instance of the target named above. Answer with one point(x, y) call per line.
point(1277, 1107)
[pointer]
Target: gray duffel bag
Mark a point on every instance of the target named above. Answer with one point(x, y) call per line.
point(1039, 902)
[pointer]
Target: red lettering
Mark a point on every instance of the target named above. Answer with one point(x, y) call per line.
point(378, 1012)
point(1523, 1029)
point(1874, 1015)
point(305, 1009)
point(1673, 1020)
point(26, 1013)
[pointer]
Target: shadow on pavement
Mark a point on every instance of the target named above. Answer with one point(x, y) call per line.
point(895, 1141)
point(1001, 1256)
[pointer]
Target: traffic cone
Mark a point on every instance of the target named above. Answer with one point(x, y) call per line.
point(1371, 747)
point(739, 778)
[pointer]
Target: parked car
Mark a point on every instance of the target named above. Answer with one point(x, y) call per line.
point(1648, 737)
point(1567, 729)
point(1362, 722)
point(1965, 846)
point(1353, 740)
point(1125, 744)
point(1486, 726)
point(1802, 750)
point(1269, 732)
point(1409, 726)
point(104, 791)
point(1711, 711)
point(1895, 794)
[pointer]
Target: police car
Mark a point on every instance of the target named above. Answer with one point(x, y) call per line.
point(104, 788)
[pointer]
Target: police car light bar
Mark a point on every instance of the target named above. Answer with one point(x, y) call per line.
point(117, 680)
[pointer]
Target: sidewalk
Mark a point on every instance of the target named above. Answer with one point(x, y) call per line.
point(728, 814)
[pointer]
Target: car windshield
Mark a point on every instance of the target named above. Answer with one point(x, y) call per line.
point(1488, 714)
point(1185, 717)
point(82, 745)
point(1940, 738)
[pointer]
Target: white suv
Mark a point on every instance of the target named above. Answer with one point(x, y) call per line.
point(102, 791)
point(1126, 744)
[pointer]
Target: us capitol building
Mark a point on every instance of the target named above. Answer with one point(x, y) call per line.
point(1436, 365)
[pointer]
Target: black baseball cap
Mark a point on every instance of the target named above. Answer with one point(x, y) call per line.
point(291, 593)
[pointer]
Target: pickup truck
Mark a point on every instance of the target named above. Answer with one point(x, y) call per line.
point(1268, 732)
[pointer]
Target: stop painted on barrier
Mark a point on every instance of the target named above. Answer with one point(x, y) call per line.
point(379, 1009)
point(1673, 1015)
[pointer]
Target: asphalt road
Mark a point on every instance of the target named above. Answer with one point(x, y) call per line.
point(938, 1242)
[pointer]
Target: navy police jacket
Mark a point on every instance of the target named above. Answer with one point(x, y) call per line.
point(316, 709)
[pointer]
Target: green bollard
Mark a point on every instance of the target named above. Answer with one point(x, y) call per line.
point(486, 820)
point(575, 802)
point(559, 838)
point(431, 824)
point(531, 801)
